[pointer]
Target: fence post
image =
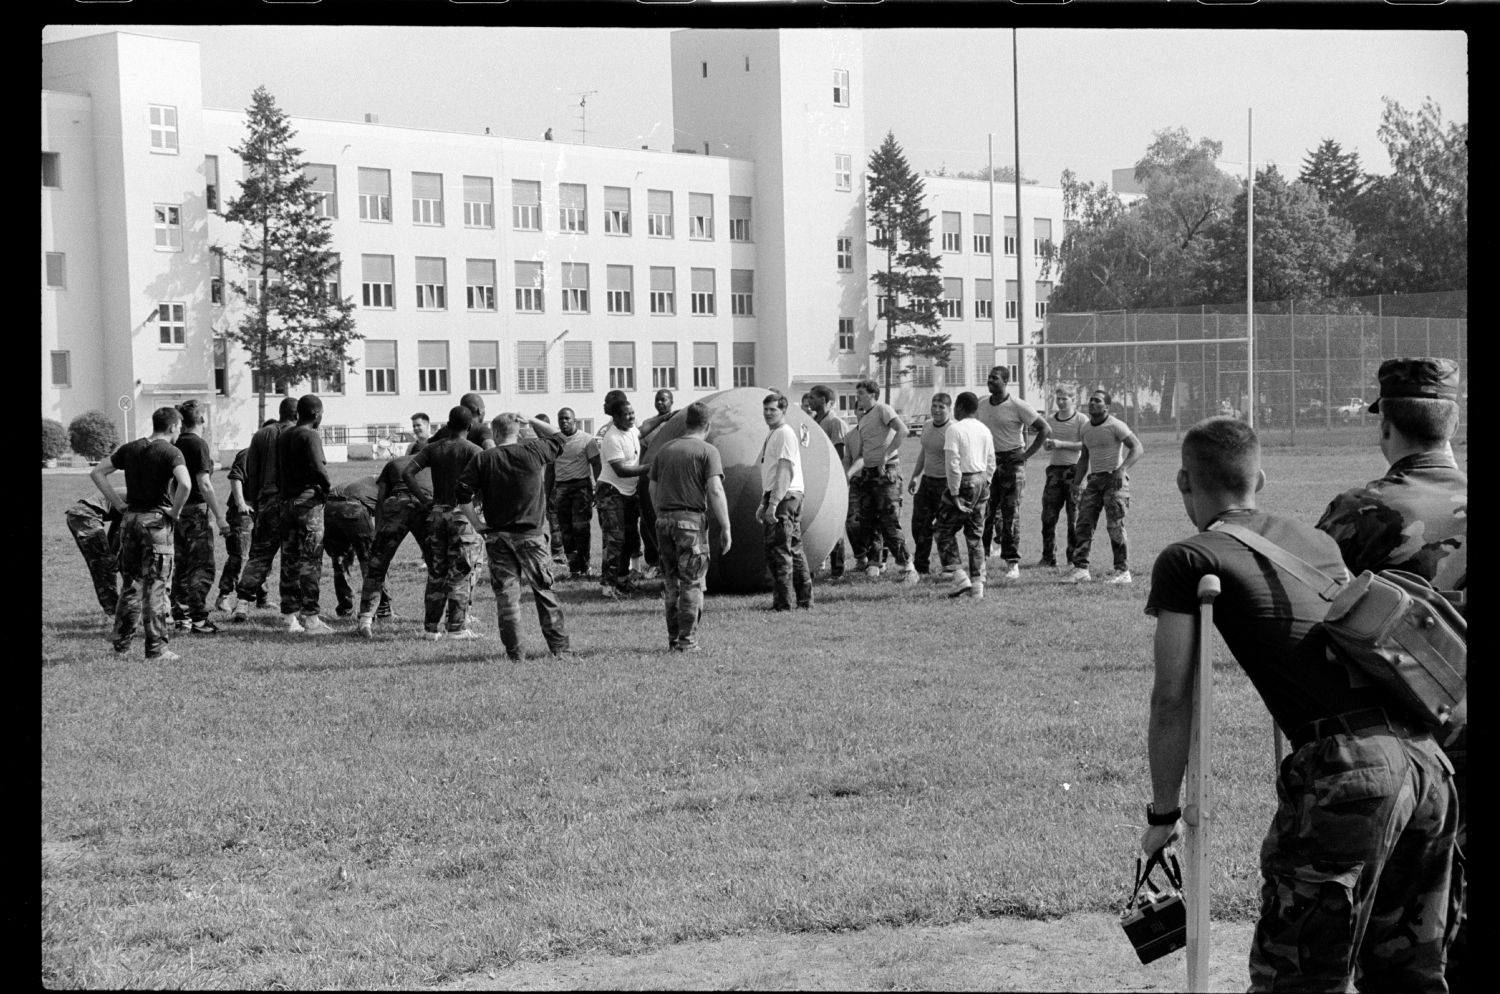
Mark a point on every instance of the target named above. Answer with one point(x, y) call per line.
point(1291, 351)
point(1328, 373)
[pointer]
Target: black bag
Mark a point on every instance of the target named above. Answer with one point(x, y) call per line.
point(1155, 922)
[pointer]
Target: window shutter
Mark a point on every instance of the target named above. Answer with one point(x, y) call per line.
point(622, 353)
point(953, 288)
point(479, 272)
point(375, 182)
point(663, 353)
point(528, 274)
point(663, 278)
point(659, 201)
point(379, 355)
point(531, 355)
point(378, 268)
point(701, 204)
point(705, 354)
point(981, 224)
point(617, 198)
point(739, 208)
point(571, 194)
point(432, 355)
point(484, 355)
point(742, 280)
point(703, 281)
point(952, 221)
point(617, 277)
point(525, 192)
point(575, 275)
point(478, 189)
point(984, 290)
point(431, 270)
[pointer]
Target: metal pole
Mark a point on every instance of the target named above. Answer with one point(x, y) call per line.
point(1250, 264)
point(1198, 814)
point(1015, 84)
point(1291, 352)
point(997, 285)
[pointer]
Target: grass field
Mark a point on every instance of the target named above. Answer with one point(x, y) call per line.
point(284, 812)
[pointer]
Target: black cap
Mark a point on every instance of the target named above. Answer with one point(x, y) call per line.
point(1423, 377)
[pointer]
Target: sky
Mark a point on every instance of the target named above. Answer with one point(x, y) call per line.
point(1090, 98)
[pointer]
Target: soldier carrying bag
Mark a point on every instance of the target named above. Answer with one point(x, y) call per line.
point(1391, 625)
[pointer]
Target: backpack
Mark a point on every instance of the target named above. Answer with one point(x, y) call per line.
point(1392, 626)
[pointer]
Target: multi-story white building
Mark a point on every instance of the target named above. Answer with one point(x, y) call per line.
point(536, 273)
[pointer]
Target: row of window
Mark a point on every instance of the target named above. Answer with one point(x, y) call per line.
point(953, 240)
point(951, 305)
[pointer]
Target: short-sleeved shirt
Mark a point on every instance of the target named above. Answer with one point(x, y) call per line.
point(198, 459)
point(875, 432)
point(834, 427)
point(1270, 620)
point(969, 443)
point(301, 470)
point(237, 467)
point(395, 484)
point(625, 445)
point(509, 482)
point(573, 462)
point(781, 444)
point(680, 471)
point(1105, 442)
point(260, 464)
point(1068, 429)
point(447, 458)
point(417, 445)
point(932, 448)
point(148, 465)
point(1006, 421)
point(363, 491)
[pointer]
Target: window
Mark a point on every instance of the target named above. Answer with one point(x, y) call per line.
point(703, 292)
point(163, 128)
point(664, 365)
point(531, 367)
point(578, 367)
point(526, 205)
point(374, 194)
point(216, 276)
point(663, 290)
point(324, 186)
point(50, 170)
point(211, 182)
point(982, 236)
point(377, 280)
point(380, 366)
point(62, 369)
point(618, 287)
point(883, 305)
point(575, 288)
point(171, 323)
point(841, 88)
point(848, 406)
point(335, 434)
point(1043, 295)
point(659, 213)
point(843, 172)
point(333, 280)
point(744, 364)
point(845, 254)
point(332, 383)
point(1010, 300)
point(742, 293)
point(432, 284)
point(953, 376)
point(479, 284)
point(951, 305)
point(374, 431)
point(616, 210)
point(1010, 236)
point(484, 367)
point(168, 221)
point(427, 198)
point(705, 70)
point(953, 236)
point(432, 367)
point(529, 287)
point(572, 207)
point(622, 365)
point(479, 202)
point(56, 271)
point(701, 216)
point(921, 371)
point(274, 385)
point(984, 300)
point(984, 361)
point(1041, 236)
point(739, 219)
point(846, 334)
point(221, 367)
point(253, 281)
point(705, 366)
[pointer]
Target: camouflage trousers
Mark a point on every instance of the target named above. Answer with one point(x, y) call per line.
point(682, 540)
point(454, 550)
point(649, 551)
point(575, 511)
point(146, 576)
point(966, 514)
point(517, 560)
point(400, 514)
point(925, 506)
point(1356, 868)
point(1057, 496)
point(1006, 488)
point(236, 548)
point(348, 535)
point(554, 529)
point(92, 536)
point(877, 492)
point(265, 542)
point(1109, 492)
point(784, 556)
point(301, 555)
point(193, 571)
point(619, 520)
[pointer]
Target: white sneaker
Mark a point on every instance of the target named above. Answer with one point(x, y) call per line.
point(1120, 576)
point(366, 629)
point(909, 576)
point(1013, 571)
point(293, 623)
point(314, 625)
point(226, 602)
point(977, 591)
point(463, 635)
point(872, 571)
point(433, 636)
point(1079, 575)
point(961, 583)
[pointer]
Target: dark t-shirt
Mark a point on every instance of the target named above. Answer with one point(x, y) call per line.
point(198, 459)
point(510, 480)
point(478, 434)
point(148, 466)
point(394, 484)
point(1270, 620)
point(680, 471)
point(363, 491)
point(260, 463)
point(237, 468)
point(301, 470)
point(447, 458)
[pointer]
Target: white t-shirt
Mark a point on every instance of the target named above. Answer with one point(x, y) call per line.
point(616, 444)
point(968, 448)
point(781, 444)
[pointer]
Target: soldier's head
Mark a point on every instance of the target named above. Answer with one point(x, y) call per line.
point(460, 420)
point(166, 421)
point(866, 393)
point(1099, 402)
point(288, 410)
point(773, 408)
point(612, 398)
point(822, 399)
point(310, 410)
point(998, 381)
point(192, 415)
point(474, 403)
point(622, 412)
point(566, 422)
point(696, 418)
point(421, 426)
point(663, 401)
point(966, 405)
point(507, 428)
point(268, 422)
point(1220, 468)
point(1064, 398)
point(807, 403)
point(1418, 404)
point(942, 405)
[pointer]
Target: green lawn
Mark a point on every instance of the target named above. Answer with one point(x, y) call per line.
point(284, 812)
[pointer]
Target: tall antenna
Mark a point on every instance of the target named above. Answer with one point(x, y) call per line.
point(583, 113)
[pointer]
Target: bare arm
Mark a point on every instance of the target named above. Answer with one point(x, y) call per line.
point(1043, 432)
point(237, 496)
point(916, 471)
point(718, 509)
point(780, 482)
point(894, 445)
point(1134, 452)
point(97, 474)
point(542, 428)
point(1167, 736)
point(211, 500)
point(182, 485)
point(623, 468)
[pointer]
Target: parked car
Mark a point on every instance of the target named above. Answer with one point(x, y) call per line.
point(915, 423)
point(1353, 409)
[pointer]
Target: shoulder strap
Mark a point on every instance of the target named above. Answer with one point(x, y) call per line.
point(1326, 586)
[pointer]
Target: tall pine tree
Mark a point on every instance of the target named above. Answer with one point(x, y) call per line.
point(294, 326)
point(1335, 175)
point(909, 286)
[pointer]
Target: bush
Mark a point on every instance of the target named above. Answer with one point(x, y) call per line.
point(92, 435)
point(54, 439)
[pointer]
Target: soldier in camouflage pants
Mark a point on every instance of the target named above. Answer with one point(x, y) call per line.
point(348, 533)
point(524, 559)
point(96, 530)
point(878, 493)
point(237, 539)
point(399, 514)
point(301, 555)
point(454, 550)
point(682, 541)
point(194, 553)
point(1109, 492)
point(575, 508)
point(1006, 488)
point(146, 572)
point(619, 520)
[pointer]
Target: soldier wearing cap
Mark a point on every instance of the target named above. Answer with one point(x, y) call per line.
point(1415, 518)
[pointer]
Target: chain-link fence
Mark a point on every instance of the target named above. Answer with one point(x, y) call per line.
point(1315, 362)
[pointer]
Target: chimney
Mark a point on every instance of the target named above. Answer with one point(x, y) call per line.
point(372, 118)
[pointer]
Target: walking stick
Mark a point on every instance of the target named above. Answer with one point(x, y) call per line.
point(1197, 814)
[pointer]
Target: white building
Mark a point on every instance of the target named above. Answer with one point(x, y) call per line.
point(539, 274)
